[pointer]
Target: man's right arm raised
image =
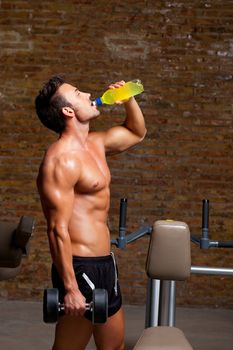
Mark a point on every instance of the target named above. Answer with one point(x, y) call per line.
point(56, 187)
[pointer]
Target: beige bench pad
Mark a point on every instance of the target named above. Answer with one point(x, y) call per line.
point(162, 338)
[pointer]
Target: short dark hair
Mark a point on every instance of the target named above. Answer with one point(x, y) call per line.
point(49, 105)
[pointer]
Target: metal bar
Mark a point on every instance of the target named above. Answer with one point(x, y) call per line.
point(225, 244)
point(205, 218)
point(121, 240)
point(203, 270)
point(152, 303)
point(138, 234)
point(195, 240)
point(164, 303)
point(204, 241)
point(172, 305)
point(122, 217)
point(114, 241)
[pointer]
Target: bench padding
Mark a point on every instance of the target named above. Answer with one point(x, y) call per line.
point(7, 273)
point(162, 338)
point(169, 255)
point(14, 239)
point(10, 255)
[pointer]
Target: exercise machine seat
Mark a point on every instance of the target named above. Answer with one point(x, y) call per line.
point(162, 338)
point(10, 255)
point(14, 238)
point(168, 258)
point(7, 273)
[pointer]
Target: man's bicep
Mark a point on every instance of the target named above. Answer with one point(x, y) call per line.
point(58, 203)
point(58, 188)
point(118, 139)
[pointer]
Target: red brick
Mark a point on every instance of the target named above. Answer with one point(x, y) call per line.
point(182, 51)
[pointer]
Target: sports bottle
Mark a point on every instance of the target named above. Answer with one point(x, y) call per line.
point(124, 92)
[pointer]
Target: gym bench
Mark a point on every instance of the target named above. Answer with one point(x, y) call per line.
point(168, 259)
point(14, 238)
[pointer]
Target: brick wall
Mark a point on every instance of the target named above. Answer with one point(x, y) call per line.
point(182, 51)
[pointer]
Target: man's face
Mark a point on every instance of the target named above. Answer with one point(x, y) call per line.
point(80, 101)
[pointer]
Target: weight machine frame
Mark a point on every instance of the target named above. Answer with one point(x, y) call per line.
point(161, 294)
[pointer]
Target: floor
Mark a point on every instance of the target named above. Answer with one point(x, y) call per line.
point(22, 327)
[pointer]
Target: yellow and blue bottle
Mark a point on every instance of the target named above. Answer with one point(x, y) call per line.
point(124, 92)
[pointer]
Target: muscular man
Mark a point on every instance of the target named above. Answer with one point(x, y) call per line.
point(73, 183)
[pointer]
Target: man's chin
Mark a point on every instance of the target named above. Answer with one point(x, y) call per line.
point(97, 114)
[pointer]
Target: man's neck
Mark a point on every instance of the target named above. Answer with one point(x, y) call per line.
point(76, 133)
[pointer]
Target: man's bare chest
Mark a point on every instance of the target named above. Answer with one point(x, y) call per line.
point(95, 175)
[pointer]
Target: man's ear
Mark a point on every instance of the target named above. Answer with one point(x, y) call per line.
point(68, 112)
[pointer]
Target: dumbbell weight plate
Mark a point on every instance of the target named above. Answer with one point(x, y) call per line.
point(50, 305)
point(100, 306)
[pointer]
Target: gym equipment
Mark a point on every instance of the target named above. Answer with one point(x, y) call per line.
point(122, 240)
point(168, 260)
point(98, 306)
point(204, 242)
point(14, 242)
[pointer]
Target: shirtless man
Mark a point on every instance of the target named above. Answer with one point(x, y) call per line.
point(73, 183)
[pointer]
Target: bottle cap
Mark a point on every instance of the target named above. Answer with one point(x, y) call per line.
point(136, 81)
point(98, 101)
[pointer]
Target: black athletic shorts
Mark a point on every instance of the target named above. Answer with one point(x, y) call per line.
point(102, 272)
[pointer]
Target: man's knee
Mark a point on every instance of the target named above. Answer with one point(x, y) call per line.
point(111, 347)
point(104, 342)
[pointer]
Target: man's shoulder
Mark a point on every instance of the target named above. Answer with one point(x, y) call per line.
point(62, 161)
point(60, 173)
point(57, 162)
point(97, 138)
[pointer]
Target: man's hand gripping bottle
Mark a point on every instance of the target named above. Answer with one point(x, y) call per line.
point(124, 92)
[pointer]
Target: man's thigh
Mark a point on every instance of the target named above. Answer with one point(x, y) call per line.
point(72, 332)
point(110, 336)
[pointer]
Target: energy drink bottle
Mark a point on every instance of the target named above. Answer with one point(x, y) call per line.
point(124, 92)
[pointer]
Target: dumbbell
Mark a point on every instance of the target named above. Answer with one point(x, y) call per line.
point(98, 306)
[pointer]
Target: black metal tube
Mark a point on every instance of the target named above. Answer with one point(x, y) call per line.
point(195, 240)
point(122, 219)
point(205, 218)
point(139, 233)
point(225, 244)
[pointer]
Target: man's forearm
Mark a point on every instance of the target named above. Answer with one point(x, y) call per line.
point(61, 252)
point(134, 118)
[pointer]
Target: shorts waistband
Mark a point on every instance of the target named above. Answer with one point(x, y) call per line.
point(91, 259)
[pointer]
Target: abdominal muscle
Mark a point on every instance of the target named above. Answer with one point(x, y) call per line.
point(88, 228)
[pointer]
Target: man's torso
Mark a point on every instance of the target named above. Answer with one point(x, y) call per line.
point(88, 228)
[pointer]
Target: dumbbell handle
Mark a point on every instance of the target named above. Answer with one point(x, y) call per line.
point(61, 307)
point(98, 306)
